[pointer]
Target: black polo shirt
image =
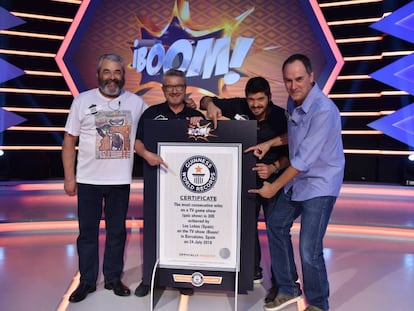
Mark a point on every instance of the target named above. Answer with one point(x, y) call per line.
point(273, 125)
point(163, 112)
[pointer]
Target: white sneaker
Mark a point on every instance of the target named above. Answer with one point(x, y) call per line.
point(258, 278)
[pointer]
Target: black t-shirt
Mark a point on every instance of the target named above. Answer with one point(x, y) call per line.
point(273, 125)
point(163, 112)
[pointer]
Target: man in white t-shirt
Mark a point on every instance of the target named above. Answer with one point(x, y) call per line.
point(104, 121)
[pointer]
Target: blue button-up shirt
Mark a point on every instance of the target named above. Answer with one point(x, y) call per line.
point(315, 147)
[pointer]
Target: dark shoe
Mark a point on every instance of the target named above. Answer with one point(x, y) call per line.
point(258, 278)
point(81, 292)
point(119, 288)
point(142, 290)
point(271, 294)
point(280, 302)
point(186, 291)
point(312, 308)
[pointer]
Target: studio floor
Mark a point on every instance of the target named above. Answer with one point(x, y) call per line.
point(369, 252)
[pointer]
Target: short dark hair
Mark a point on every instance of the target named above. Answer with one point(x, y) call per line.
point(256, 85)
point(111, 56)
point(300, 57)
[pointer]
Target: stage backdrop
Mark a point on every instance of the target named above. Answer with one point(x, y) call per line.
point(219, 44)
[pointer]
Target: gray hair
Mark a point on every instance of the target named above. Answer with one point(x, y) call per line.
point(113, 57)
point(175, 73)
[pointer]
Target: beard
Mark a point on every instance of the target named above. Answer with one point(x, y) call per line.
point(109, 90)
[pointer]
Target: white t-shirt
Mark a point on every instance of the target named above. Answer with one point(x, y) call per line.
point(106, 129)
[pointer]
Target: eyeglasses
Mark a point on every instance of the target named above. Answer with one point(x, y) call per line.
point(178, 87)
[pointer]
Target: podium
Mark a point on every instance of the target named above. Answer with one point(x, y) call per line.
point(199, 219)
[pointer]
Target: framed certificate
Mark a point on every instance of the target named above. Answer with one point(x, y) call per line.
point(199, 218)
point(199, 206)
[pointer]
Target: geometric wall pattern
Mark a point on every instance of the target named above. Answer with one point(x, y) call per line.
point(8, 71)
point(399, 74)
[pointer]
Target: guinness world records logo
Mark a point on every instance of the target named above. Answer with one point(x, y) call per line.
point(197, 279)
point(198, 174)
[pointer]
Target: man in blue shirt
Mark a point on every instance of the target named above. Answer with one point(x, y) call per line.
point(310, 185)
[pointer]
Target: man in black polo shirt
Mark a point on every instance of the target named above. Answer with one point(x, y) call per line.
point(174, 89)
point(271, 124)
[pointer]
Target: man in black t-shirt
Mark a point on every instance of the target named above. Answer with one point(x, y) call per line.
point(271, 124)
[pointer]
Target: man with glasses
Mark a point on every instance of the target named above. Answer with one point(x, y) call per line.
point(175, 107)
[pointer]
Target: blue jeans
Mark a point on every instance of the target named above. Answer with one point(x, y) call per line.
point(315, 214)
point(114, 200)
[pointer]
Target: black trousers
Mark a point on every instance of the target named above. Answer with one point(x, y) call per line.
point(113, 200)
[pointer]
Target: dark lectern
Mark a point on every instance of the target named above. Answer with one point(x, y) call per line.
point(204, 271)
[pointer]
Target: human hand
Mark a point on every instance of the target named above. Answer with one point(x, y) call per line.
point(154, 159)
point(214, 113)
point(70, 187)
point(266, 191)
point(264, 171)
point(195, 120)
point(259, 150)
point(190, 103)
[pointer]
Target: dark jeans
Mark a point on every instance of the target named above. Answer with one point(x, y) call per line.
point(266, 205)
point(315, 214)
point(114, 200)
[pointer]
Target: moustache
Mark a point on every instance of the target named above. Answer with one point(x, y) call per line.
point(108, 81)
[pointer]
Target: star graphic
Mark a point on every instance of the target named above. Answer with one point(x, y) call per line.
point(198, 169)
point(181, 26)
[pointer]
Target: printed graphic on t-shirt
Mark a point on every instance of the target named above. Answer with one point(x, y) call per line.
point(113, 130)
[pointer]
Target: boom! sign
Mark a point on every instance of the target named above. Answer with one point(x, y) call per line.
point(218, 44)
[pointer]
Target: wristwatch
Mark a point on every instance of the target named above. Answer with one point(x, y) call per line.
point(276, 169)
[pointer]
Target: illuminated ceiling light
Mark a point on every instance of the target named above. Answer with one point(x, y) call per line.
point(1, 153)
point(27, 53)
point(411, 157)
point(43, 17)
point(395, 93)
point(368, 95)
point(362, 39)
point(38, 148)
point(36, 128)
point(377, 57)
point(43, 73)
point(354, 21)
point(31, 110)
point(360, 132)
point(345, 3)
point(69, 1)
point(397, 53)
point(34, 91)
point(377, 152)
point(360, 95)
point(353, 77)
point(367, 113)
point(359, 58)
point(31, 35)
